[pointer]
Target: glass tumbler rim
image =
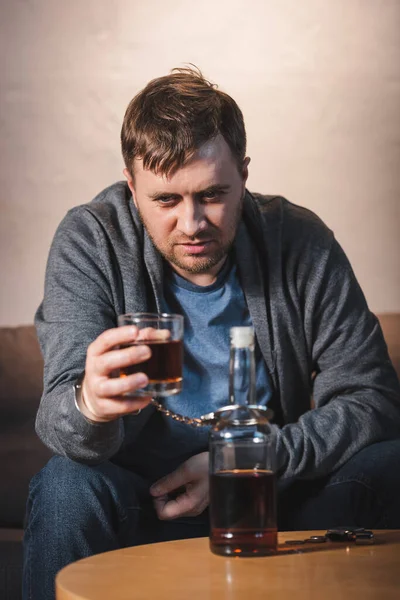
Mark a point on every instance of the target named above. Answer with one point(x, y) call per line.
point(148, 316)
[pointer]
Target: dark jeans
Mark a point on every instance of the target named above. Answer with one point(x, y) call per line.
point(75, 510)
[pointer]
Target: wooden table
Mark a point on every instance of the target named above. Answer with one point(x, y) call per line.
point(187, 570)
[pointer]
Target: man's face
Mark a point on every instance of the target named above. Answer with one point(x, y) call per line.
point(192, 217)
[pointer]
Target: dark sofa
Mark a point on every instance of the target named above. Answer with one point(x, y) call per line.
point(21, 452)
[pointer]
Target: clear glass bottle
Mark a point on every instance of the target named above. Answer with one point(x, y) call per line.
point(242, 463)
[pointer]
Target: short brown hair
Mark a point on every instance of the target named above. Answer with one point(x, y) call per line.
point(173, 116)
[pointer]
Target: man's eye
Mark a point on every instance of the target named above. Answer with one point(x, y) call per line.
point(210, 195)
point(166, 199)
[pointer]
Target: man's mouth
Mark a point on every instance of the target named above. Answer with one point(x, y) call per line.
point(196, 247)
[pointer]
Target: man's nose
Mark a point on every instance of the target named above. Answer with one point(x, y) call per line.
point(191, 218)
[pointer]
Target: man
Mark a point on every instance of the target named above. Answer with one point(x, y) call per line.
point(184, 235)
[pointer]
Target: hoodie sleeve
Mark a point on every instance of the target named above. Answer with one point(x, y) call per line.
point(77, 307)
point(356, 389)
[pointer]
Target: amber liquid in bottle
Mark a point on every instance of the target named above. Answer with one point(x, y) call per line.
point(243, 512)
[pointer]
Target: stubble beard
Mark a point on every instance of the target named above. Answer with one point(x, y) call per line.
point(199, 264)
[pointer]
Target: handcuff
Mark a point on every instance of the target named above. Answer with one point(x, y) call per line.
point(358, 535)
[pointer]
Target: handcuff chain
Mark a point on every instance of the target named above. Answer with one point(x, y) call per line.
point(193, 421)
point(213, 417)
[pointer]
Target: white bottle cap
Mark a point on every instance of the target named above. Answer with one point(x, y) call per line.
point(242, 337)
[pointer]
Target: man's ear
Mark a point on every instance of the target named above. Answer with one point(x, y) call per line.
point(245, 174)
point(245, 169)
point(129, 179)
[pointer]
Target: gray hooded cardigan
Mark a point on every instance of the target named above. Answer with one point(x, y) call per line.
point(309, 314)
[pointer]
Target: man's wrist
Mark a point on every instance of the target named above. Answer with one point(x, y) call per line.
point(80, 404)
point(83, 408)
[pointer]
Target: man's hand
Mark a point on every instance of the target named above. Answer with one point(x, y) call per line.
point(103, 395)
point(192, 476)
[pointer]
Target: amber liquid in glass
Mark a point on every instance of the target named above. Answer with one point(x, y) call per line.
point(164, 365)
point(243, 512)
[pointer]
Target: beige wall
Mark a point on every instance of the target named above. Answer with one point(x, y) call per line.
point(318, 82)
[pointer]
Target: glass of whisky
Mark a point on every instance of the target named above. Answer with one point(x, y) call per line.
point(163, 334)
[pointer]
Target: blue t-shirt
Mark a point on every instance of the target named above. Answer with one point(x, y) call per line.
point(209, 313)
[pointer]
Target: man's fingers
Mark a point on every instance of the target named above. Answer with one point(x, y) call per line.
point(104, 397)
point(118, 386)
point(170, 482)
point(149, 333)
point(112, 337)
point(110, 409)
point(113, 409)
point(190, 503)
point(171, 509)
point(118, 359)
point(192, 476)
point(125, 407)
